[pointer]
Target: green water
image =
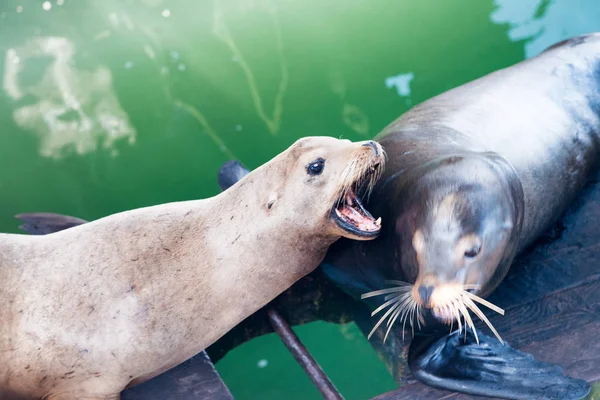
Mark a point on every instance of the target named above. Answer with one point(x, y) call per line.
point(109, 105)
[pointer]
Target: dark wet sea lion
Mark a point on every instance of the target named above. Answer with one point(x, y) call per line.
point(474, 176)
point(101, 306)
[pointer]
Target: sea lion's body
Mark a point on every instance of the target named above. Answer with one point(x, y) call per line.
point(564, 83)
point(92, 309)
point(537, 126)
point(116, 268)
point(541, 116)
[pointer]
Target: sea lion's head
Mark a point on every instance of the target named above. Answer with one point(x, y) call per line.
point(324, 181)
point(456, 234)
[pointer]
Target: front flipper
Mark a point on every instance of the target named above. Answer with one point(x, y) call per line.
point(488, 369)
point(45, 223)
point(230, 173)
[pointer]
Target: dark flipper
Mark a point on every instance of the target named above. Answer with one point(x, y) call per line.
point(231, 172)
point(46, 223)
point(488, 369)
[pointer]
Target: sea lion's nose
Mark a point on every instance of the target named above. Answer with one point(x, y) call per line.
point(425, 293)
point(372, 144)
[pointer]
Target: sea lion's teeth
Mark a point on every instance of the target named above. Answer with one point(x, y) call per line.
point(378, 221)
point(349, 200)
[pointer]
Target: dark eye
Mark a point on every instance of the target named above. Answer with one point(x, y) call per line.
point(472, 252)
point(315, 167)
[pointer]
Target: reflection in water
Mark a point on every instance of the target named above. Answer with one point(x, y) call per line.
point(201, 118)
point(222, 32)
point(401, 82)
point(356, 119)
point(66, 107)
point(546, 22)
point(353, 116)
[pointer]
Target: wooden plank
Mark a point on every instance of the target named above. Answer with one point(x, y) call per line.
point(565, 256)
point(560, 329)
point(195, 379)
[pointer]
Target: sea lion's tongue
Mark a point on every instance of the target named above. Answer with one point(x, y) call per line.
point(353, 212)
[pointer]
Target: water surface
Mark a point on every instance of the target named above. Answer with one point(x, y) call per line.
point(109, 105)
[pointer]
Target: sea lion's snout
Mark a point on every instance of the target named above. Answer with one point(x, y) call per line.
point(363, 168)
point(374, 146)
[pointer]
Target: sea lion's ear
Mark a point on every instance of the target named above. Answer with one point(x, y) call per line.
point(271, 201)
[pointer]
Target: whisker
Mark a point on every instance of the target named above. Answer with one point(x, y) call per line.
point(454, 310)
point(382, 291)
point(390, 296)
point(392, 319)
point(388, 312)
point(469, 303)
point(399, 283)
point(468, 321)
point(419, 317)
point(404, 317)
point(404, 302)
point(412, 317)
point(384, 305)
point(484, 302)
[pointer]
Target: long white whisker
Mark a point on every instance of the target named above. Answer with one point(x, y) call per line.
point(382, 291)
point(404, 317)
point(384, 305)
point(484, 302)
point(468, 321)
point(388, 312)
point(419, 317)
point(469, 303)
point(393, 319)
point(389, 296)
point(399, 283)
point(412, 317)
point(456, 315)
point(405, 300)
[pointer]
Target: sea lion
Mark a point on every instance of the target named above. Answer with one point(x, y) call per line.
point(473, 177)
point(95, 308)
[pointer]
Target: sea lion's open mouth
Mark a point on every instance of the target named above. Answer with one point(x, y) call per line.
point(351, 215)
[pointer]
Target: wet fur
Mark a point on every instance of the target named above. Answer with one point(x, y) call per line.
point(539, 122)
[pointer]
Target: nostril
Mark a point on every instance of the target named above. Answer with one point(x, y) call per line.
point(425, 293)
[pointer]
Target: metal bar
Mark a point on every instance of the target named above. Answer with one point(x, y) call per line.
point(306, 361)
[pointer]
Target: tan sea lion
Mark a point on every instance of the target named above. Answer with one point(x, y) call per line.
point(93, 309)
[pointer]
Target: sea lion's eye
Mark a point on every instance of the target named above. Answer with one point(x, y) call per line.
point(315, 167)
point(471, 253)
